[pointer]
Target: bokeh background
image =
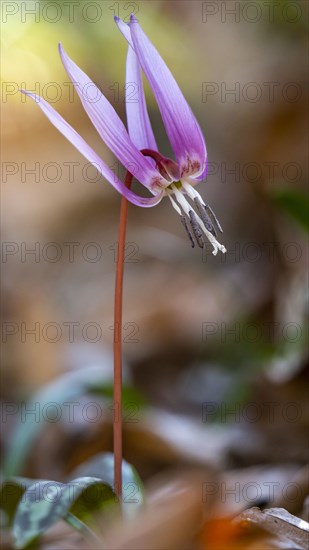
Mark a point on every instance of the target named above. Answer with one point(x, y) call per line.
point(211, 344)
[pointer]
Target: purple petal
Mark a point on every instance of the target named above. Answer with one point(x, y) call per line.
point(180, 123)
point(110, 127)
point(140, 130)
point(90, 154)
point(139, 126)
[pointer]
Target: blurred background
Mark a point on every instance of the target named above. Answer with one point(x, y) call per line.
point(214, 347)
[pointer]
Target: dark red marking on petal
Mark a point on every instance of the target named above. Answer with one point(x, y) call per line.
point(190, 168)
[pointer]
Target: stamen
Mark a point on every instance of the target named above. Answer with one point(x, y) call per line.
point(184, 223)
point(214, 216)
point(180, 198)
point(194, 195)
point(183, 218)
point(195, 221)
point(196, 229)
point(206, 219)
point(174, 204)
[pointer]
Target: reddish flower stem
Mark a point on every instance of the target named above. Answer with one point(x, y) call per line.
point(117, 422)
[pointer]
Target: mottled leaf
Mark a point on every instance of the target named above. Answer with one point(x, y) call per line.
point(11, 492)
point(102, 466)
point(45, 502)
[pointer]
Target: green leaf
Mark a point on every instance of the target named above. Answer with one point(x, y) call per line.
point(11, 492)
point(295, 204)
point(95, 497)
point(45, 502)
point(102, 466)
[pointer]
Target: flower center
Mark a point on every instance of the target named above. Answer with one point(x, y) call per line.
point(199, 223)
point(168, 168)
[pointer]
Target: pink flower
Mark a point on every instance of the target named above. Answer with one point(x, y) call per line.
point(136, 148)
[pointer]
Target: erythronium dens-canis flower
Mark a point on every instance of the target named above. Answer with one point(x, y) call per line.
point(136, 148)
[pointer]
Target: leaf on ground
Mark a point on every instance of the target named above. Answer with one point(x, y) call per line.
point(102, 466)
point(11, 492)
point(278, 522)
point(45, 502)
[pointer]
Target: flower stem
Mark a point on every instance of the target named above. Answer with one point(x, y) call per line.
point(117, 422)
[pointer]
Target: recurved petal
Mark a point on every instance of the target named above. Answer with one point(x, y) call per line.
point(140, 130)
point(180, 123)
point(110, 127)
point(90, 154)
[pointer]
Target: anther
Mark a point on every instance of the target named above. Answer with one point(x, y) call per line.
point(206, 219)
point(196, 229)
point(184, 223)
point(214, 216)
